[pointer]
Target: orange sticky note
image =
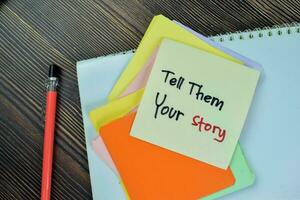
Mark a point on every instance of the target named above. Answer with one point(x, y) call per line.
point(151, 172)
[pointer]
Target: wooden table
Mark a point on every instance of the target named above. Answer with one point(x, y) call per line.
point(34, 34)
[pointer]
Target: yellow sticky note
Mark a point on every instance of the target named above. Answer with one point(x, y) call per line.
point(195, 103)
point(159, 28)
point(115, 109)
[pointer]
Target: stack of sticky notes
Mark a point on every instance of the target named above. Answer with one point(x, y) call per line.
point(171, 125)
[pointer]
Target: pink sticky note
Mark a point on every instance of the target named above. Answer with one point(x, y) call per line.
point(142, 78)
point(101, 150)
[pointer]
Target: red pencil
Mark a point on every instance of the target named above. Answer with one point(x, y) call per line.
point(49, 132)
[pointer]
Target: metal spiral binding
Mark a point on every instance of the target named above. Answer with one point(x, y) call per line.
point(259, 32)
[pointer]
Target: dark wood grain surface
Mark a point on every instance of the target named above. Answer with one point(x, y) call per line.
point(35, 33)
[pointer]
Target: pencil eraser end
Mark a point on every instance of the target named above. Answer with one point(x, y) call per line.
point(53, 70)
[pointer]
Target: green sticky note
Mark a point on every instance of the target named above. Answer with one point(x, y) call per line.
point(195, 103)
point(242, 173)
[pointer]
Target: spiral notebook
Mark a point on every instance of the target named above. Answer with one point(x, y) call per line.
point(271, 135)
